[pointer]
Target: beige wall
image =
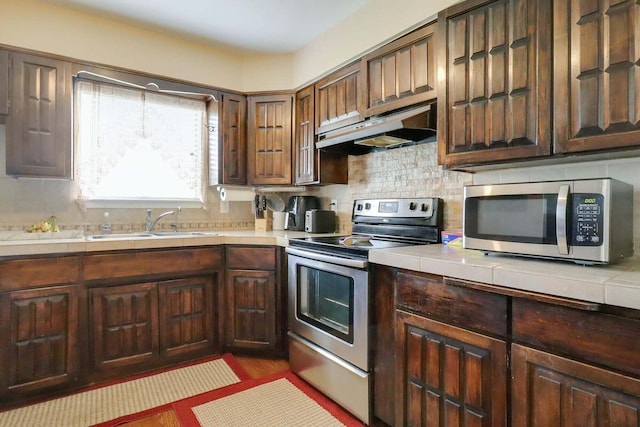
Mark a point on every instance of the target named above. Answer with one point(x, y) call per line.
point(379, 21)
point(41, 26)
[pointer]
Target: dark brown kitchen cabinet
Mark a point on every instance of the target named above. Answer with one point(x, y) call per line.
point(4, 84)
point(253, 305)
point(449, 370)
point(187, 316)
point(269, 139)
point(448, 375)
point(596, 57)
point(400, 73)
point(38, 340)
point(232, 140)
point(39, 137)
point(124, 322)
point(313, 166)
point(494, 81)
point(550, 390)
point(339, 99)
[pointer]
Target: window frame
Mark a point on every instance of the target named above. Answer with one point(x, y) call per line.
point(149, 82)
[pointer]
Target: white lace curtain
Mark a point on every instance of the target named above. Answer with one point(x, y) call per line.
point(138, 145)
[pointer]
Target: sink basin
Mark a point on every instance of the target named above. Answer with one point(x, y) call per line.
point(119, 236)
point(183, 233)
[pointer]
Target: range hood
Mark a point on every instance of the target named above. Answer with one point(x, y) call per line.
point(410, 126)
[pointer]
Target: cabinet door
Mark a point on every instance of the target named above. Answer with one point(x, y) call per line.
point(494, 81)
point(38, 339)
point(448, 376)
point(251, 309)
point(313, 166)
point(39, 125)
point(232, 141)
point(4, 83)
point(124, 322)
point(596, 75)
point(269, 139)
point(549, 390)
point(339, 100)
point(187, 316)
point(400, 73)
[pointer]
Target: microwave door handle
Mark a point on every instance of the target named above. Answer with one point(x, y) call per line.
point(561, 219)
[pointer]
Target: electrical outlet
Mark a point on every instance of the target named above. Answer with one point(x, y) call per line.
point(333, 205)
point(224, 207)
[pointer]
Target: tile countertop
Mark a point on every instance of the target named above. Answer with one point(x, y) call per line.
point(617, 284)
point(53, 246)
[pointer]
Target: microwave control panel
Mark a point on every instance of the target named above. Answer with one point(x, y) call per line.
point(587, 214)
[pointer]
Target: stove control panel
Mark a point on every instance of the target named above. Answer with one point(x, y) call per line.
point(395, 208)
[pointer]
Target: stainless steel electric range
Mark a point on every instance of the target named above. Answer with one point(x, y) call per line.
point(329, 295)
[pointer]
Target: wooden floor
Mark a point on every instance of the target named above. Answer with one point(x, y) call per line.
point(256, 368)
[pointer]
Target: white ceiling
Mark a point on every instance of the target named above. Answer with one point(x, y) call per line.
point(268, 26)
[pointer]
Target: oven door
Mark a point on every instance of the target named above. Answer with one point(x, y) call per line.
point(329, 304)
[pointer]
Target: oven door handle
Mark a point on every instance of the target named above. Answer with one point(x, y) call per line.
point(346, 262)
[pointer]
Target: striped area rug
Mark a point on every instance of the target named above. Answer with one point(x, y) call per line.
point(113, 404)
point(280, 400)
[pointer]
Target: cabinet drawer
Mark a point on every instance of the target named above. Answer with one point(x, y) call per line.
point(591, 336)
point(113, 266)
point(428, 295)
point(251, 258)
point(26, 273)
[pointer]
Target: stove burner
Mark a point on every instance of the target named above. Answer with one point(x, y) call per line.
point(356, 241)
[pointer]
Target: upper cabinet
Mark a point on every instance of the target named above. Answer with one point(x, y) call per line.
point(339, 100)
point(596, 75)
point(232, 140)
point(39, 138)
point(313, 166)
point(269, 139)
point(4, 83)
point(494, 81)
point(400, 73)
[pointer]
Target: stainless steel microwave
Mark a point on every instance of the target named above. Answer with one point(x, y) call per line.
point(589, 221)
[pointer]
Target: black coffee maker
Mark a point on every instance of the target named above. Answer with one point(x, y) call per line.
point(296, 209)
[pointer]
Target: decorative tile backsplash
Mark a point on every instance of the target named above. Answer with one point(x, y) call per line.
point(400, 172)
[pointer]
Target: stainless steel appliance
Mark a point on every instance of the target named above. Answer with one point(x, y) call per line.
point(329, 295)
point(320, 221)
point(586, 221)
point(404, 127)
point(296, 209)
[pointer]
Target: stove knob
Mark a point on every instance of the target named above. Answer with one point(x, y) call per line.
point(367, 206)
point(413, 206)
point(425, 207)
point(359, 207)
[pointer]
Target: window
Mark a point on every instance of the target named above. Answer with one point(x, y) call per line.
point(138, 145)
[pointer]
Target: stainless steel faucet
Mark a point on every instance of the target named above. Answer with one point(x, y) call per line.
point(151, 223)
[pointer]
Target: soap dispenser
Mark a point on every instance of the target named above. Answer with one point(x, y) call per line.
point(106, 225)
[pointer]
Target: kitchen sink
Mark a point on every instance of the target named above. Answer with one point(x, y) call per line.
point(144, 235)
point(118, 236)
point(183, 233)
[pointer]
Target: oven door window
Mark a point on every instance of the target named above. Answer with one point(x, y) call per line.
point(325, 300)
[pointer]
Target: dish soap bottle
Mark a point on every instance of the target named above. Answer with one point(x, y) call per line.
point(106, 225)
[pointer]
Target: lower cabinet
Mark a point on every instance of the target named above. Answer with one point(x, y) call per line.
point(550, 390)
point(187, 316)
point(251, 313)
point(38, 340)
point(254, 300)
point(448, 376)
point(148, 323)
point(473, 354)
point(124, 322)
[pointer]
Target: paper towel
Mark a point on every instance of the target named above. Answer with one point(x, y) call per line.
point(236, 195)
